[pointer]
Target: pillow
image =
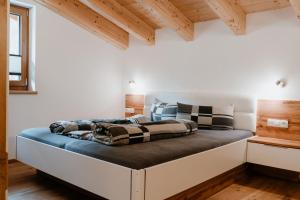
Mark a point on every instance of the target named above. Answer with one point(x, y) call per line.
point(222, 118)
point(162, 111)
point(245, 121)
point(138, 119)
point(199, 114)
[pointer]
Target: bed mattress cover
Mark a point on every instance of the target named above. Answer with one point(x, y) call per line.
point(143, 155)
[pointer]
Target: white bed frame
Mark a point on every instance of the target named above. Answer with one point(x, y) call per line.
point(161, 181)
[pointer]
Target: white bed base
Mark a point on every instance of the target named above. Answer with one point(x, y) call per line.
point(116, 182)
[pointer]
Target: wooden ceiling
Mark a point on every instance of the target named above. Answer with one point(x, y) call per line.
point(197, 10)
point(114, 20)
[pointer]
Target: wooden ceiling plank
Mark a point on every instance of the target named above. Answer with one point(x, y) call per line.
point(252, 6)
point(296, 5)
point(231, 13)
point(146, 13)
point(84, 16)
point(126, 19)
point(173, 17)
point(197, 10)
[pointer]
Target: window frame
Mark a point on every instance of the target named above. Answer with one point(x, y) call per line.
point(24, 33)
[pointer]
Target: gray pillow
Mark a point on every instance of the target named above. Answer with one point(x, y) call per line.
point(207, 117)
point(162, 111)
point(222, 118)
point(199, 114)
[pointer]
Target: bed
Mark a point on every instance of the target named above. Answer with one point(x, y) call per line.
point(147, 171)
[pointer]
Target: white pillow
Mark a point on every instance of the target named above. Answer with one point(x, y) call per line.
point(245, 121)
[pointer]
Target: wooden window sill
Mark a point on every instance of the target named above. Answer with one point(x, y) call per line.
point(29, 92)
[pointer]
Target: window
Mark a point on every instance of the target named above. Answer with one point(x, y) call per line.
point(18, 48)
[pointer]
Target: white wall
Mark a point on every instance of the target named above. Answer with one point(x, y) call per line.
point(79, 76)
point(218, 60)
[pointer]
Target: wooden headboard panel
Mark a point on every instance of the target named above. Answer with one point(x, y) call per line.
point(137, 102)
point(277, 109)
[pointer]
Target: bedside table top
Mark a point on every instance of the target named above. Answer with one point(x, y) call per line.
point(275, 142)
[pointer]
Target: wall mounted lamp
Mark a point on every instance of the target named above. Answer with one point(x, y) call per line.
point(132, 84)
point(281, 83)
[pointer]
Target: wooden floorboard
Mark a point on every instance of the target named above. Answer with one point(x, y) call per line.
point(260, 188)
point(25, 184)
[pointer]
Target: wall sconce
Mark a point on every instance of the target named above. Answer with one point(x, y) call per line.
point(281, 83)
point(132, 84)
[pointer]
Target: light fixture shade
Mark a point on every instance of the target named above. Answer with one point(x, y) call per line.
point(132, 84)
point(281, 83)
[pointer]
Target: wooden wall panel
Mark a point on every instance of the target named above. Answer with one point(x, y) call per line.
point(4, 9)
point(277, 109)
point(134, 101)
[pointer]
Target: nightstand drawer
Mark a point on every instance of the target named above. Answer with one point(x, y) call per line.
point(274, 156)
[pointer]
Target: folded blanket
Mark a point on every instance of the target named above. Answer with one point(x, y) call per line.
point(82, 135)
point(120, 132)
point(114, 134)
point(64, 127)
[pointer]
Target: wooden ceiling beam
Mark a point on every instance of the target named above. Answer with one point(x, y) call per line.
point(231, 13)
point(84, 16)
point(126, 19)
point(173, 18)
point(296, 5)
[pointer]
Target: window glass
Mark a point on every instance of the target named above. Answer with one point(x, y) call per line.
point(15, 70)
point(18, 48)
point(15, 59)
point(14, 35)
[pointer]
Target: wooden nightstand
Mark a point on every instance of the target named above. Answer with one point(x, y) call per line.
point(275, 146)
point(134, 104)
point(274, 152)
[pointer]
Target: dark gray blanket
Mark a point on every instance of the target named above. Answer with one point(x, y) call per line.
point(140, 156)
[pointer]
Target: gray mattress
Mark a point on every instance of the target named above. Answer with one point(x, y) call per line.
point(140, 156)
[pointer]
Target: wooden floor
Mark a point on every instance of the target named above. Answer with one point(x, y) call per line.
point(24, 184)
point(260, 188)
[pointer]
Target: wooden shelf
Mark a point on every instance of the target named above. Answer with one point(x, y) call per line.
point(275, 142)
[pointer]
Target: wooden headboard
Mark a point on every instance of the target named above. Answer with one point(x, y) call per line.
point(277, 109)
point(136, 102)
